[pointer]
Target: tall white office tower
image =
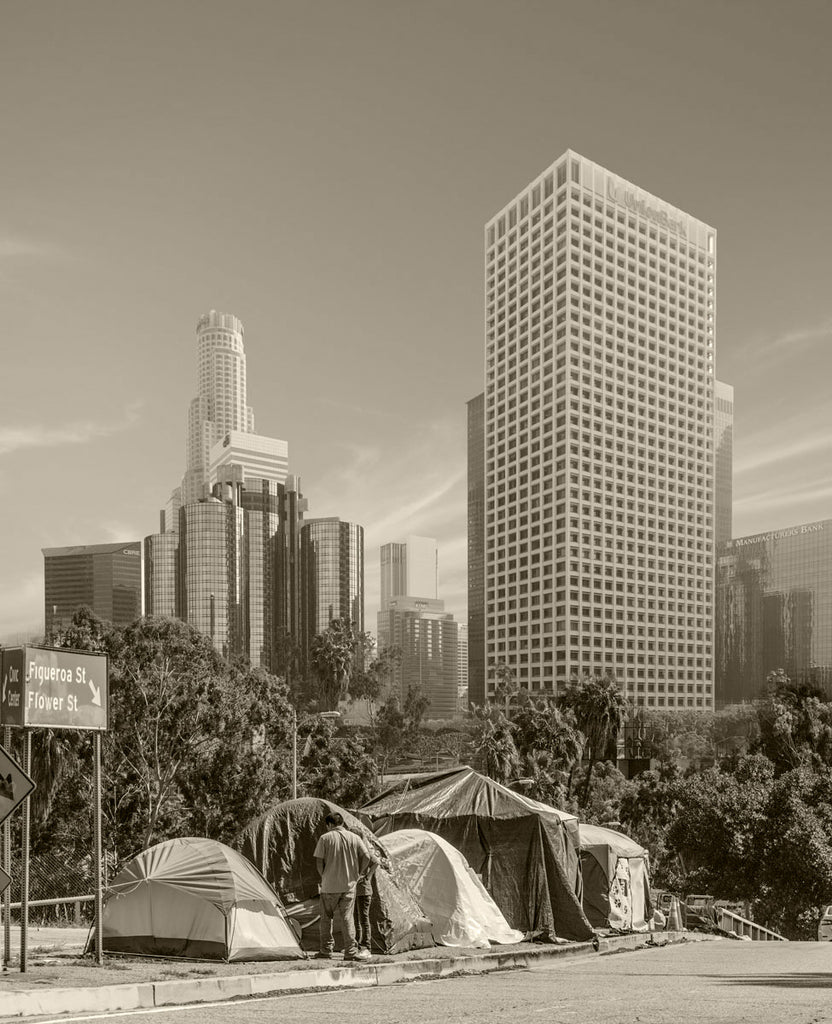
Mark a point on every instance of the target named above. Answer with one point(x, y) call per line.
point(599, 462)
point(220, 404)
point(409, 567)
point(723, 462)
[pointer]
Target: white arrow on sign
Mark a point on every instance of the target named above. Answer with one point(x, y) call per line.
point(96, 693)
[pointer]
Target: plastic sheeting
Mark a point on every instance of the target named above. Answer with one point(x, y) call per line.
point(525, 852)
point(195, 898)
point(616, 892)
point(281, 844)
point(459, 907)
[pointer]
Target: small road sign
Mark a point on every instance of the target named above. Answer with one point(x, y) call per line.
point(15, 785)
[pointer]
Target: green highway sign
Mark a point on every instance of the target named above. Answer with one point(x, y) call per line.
point(54, 688)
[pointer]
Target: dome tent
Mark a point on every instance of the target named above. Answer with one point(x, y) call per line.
point(195, 898)
point(281, 844)
point(525, 852)
point(459, 907)
point(616, 891)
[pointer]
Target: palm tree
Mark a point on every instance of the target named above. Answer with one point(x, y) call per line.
point(333, 655)
point(600, 709)
point(494, 745)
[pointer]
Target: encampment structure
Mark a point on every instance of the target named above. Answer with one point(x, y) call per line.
point(281, 844)
point(195, 898)
point(460, 909)
point(616, 872)
point(525, 852)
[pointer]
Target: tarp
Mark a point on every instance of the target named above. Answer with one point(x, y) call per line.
point(616, 892)
point(524, 851)
point(195, 898)
point(281, 844)
point(459, 908)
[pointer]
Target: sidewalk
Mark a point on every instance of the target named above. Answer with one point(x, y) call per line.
point(59, 982)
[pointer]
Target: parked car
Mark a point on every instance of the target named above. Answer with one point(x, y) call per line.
point(825, 925)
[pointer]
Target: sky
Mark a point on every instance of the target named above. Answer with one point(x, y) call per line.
point(323, 169)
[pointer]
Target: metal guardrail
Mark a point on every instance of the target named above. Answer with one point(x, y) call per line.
point(76, 901)
point(731, 922)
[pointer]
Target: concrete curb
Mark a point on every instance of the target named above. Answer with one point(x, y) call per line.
point(150, 994)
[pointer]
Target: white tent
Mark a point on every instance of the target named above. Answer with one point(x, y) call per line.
point(456, 902)
point(199, 899)
point(616, 891)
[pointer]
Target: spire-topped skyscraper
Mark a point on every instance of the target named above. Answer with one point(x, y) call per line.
point(220, 404)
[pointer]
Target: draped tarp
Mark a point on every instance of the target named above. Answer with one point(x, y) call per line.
point(616, 872)
point(524, 851)
point(195, 898)
point(281, 843)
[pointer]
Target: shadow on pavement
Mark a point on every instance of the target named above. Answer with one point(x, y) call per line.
point(797, 980)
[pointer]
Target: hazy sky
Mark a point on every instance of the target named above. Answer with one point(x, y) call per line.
point(323, 170)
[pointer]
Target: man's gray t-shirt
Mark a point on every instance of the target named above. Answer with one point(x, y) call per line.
point(345, 859)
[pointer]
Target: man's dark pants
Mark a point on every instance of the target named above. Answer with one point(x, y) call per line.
point(342, 903)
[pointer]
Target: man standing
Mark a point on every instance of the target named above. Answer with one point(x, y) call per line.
point(341, 858)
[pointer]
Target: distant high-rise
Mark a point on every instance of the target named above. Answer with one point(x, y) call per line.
point(105, 577)
point(412, 619)
point(723, 461)
point(476, 551)
point(409, 567)
point(774, 610)
point(462, 672)
point(599, 462)
point(428, 639)
point(220, 404)
point(332, 576)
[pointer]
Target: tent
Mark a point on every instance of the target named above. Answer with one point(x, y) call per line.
point(525, 852)
point(199, 899)
point(449, 892)
point(281, 843)
point(616, 880)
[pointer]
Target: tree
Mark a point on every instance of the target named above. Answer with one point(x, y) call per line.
point(369, 685)
point(549, 745)
point(493, 744)
point(795, 722)
point(334, 655)
point(600, 709)
point(339, 769)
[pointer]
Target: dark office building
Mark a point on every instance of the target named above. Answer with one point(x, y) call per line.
point(332, 576)
point(476, 550)
point(774, 610)
point(105, 577)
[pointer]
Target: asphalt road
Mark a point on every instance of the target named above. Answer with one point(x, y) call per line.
point(722, 982)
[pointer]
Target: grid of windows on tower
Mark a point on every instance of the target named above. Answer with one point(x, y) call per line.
point(599, 442)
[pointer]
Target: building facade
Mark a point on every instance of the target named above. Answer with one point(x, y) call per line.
point(774, 610)
point(723, 462)
point(476, 551)
point(599, 462)
point(409, 567)
point(220, 403)
point(331, 575)
point(427, 637)
point(105, 577)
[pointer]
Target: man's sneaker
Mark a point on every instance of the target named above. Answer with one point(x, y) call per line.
point(361, 954)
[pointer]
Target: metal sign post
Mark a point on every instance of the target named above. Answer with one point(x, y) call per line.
point(24, 873)
point(7, 868)
point(99, 892)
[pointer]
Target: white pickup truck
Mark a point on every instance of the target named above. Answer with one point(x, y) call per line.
point(825, 925)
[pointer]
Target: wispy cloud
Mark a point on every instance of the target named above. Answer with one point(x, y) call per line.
point(21, 609)
point(785, 496)
point(767, 454)
point(15, 439)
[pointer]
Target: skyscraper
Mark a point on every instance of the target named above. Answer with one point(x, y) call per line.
point(220, 404)
point(409, 567)
point(332, 576)
point(599, 463)
point(723, 462)
point(774, 610)
point(105, 577)
point(476, 551)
